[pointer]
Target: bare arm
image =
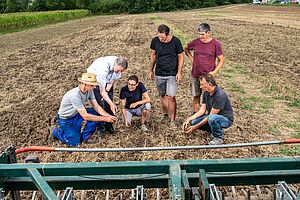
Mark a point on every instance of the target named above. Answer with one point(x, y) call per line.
point(152, 63)
point(146, 99)
point(90, 117)
point(123, 109)
point(98, 108)
point(180, 66)
point(188, 53)
point(201, 112)
point(220, 60)
point(110, 85)
point(105, 96)
point(204, 121)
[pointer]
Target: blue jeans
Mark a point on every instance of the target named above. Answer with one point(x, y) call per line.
point(215, 124)
point(69, 130)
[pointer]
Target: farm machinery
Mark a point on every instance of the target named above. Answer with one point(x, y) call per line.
point(182, 179)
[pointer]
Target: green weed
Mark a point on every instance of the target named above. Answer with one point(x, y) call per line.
point(235, 88)
point(291, 152)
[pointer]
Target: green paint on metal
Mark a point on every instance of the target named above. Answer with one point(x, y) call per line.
point(41, 184)
point(204, 185)
point(186, 186)
point(175, 182)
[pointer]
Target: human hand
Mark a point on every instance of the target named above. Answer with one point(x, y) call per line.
point(186, 124)
point(178, 77)
point(190, 129)
point(110, 119)
point(127, 124)
point(113, 108)
point(133, 105)
point(212, 73)
point(151, 75)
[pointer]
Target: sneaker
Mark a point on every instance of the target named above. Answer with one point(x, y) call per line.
point(216, 141)
point(173, 125)
point(210, 136)
point(144, 128)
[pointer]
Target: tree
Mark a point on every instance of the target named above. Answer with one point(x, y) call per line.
point(13, 5)
point(2, 6)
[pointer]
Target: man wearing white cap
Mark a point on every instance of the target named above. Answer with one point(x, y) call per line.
point(72, 113)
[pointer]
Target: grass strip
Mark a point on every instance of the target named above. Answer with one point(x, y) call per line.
point(12, 22)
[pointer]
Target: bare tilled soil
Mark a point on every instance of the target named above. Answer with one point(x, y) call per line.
point(39, 66)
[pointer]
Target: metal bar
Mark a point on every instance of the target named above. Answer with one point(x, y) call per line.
point(41, 148)
point(175, 181)
point(41, 184)
point(151, 167)
point(204, 185)
point(186, 186)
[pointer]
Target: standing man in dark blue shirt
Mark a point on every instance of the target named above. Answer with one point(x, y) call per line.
point(135, 101)
point(167, 55)
point(215, 112)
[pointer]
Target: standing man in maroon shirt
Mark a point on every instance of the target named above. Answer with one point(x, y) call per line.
point(203, 53)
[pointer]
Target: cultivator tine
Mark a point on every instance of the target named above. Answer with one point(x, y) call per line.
point(82, 194)
point(259, 194)
point(68, 194)
point(138, 193)
point(2, 194)
point(284, 192)
point(234, 195)
point(157, 194)
point(247, 195)
point(33, 195)
point(107, 195)
point(215, 194)
point(120, 197)
point(195, 193)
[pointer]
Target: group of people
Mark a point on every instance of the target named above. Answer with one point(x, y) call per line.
point(166, 63)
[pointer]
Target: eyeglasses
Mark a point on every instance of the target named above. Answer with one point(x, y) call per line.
point(131, 85)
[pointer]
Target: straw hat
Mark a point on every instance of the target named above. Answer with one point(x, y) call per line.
point(88, 78)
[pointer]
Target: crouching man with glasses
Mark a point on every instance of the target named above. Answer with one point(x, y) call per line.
point(135, 101)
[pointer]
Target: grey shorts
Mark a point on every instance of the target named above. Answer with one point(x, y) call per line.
point(195, 87)
point(136, 111)
point(166, 85)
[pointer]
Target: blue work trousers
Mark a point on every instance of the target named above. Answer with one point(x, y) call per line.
point(215, 124)
point(69, 130)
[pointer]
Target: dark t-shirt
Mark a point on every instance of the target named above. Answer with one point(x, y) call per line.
point(166, 56)
point(219, 100)
point(205, 55)
point(132, 96)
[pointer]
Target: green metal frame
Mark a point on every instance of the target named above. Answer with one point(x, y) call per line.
point(177, 175)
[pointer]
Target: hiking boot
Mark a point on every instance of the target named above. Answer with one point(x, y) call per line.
point(216, 141)
point(144, 128)
point(173, 125)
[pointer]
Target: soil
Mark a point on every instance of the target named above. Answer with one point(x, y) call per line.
point(38, 66)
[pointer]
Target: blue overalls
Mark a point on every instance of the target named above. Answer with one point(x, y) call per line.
point(69, 130)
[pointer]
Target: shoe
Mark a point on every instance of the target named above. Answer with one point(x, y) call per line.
point(53, 131)
point(216, 141)
point(210, 137)
point(52, 128)
point(90, 141)
point(144, 128)
point(110, 128)
point(165, 119)
point(173, 125)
